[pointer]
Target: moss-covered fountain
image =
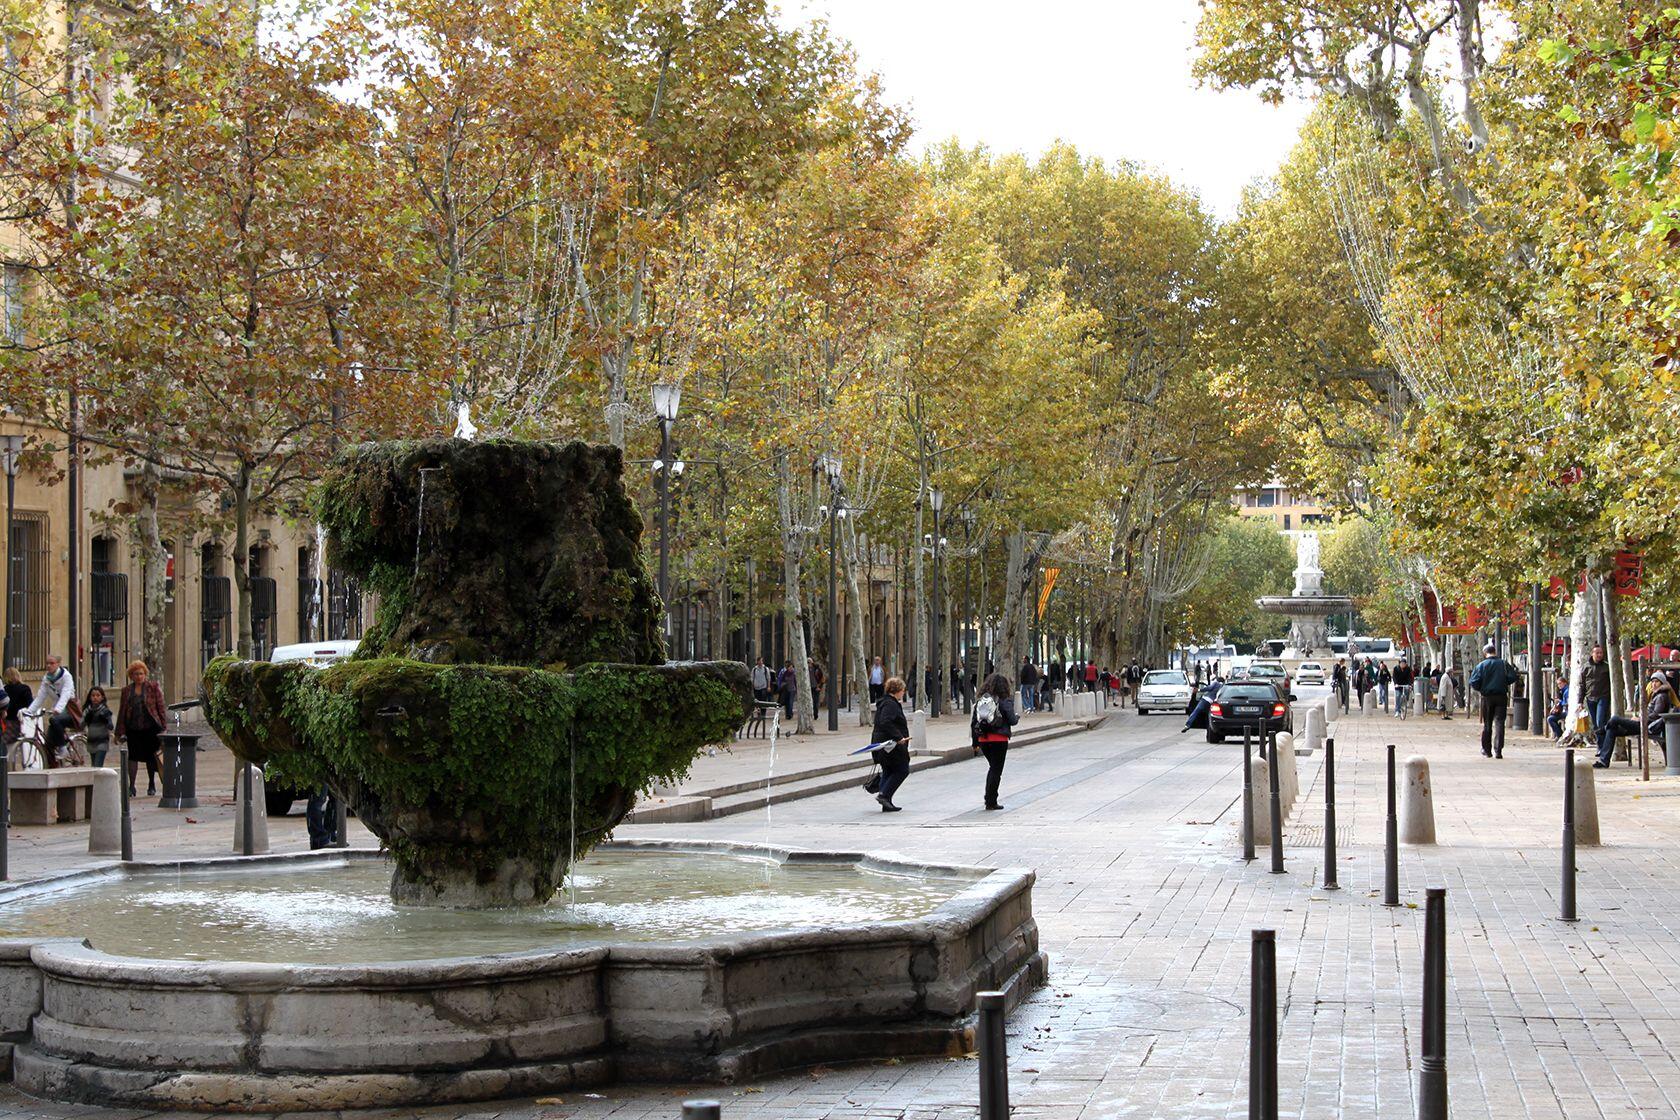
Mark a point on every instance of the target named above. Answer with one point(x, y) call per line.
point(496, 724)
point(512, 698)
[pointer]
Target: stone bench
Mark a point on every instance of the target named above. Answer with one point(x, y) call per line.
point(46, 796)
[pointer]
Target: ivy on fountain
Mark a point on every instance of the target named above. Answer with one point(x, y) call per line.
point(511, 700)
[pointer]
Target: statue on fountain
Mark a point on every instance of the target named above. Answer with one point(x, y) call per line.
point(513, 697)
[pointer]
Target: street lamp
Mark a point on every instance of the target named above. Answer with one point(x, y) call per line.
point(11, 450)
point(829, 464)
point(667, 396)
point(936, 498)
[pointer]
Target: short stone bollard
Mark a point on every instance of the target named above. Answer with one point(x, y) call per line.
point(1289, 778)
point(918, 730)
point(1417, 803)
point(1260, 787)
point(258, 814)
point(1586, 802)
point(1315, 728)
point(105, 821)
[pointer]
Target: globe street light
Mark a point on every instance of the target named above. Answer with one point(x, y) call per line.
point(11, 450)
point(667, 396)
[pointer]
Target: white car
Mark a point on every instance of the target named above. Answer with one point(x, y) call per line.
point(1309, 672)
point(1163, 688)
point(318, 655)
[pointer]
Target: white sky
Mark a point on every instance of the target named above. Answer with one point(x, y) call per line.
point(1110, 76)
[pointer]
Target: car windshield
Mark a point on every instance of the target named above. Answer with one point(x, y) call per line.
point(1163, 676)
point(1248, 692)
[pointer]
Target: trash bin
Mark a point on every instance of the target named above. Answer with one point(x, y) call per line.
point(180, 771)
point(1671, 744)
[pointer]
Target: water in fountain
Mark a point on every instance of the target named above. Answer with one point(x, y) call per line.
point(341, 911)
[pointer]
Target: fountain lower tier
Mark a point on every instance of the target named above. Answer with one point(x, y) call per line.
point(712, 1005)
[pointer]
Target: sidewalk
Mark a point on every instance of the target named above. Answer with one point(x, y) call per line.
point(748, 774)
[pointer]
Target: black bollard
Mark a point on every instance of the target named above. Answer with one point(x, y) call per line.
point(127, 816)
point(1432, 1072)
point(994, 1058)
point(702, 1110)
point(1330, 814)
point(1568, 913)
point(1262, 1026)
point(1277, 804)
point(1248, 796)
point(1391, 852)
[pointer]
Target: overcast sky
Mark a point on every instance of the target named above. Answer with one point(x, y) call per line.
point(1111, 76)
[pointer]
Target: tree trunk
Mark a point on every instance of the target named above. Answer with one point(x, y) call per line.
point(242, 557)
point(855, 606)
point(153, 628)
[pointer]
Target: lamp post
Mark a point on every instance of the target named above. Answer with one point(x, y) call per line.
point(968, 587)
point(830, 464)
point(11, 449)
point(936, 498)
point(666, 397)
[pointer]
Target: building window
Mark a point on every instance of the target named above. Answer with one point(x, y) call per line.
point(109, 608)
point(14, 283)
point(31, 597)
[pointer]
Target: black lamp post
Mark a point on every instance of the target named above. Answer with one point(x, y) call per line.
point(936, 499)
point(830, 465)
point(666, 397)
point(11, 449)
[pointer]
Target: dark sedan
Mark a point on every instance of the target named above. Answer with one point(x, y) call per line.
point(1252, 704)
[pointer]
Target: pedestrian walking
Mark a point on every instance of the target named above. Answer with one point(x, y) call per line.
point(988, 731)
point(97, 722)
point(141, 718)
point(891, 727)
point(1493, 677)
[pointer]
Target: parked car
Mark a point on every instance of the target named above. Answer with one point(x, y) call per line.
point(1309, 672)
point(277, 796)
point(1163, 688)
point(1254, 704)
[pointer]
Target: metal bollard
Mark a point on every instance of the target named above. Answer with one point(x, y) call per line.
point(702, 1110)
point(994, 1058)
point(1330, 814)
point(1432, 1073)
point(1568, 909)
point(1262, 1026)
point(127, 816)
point(247, 819)
point(1391, 837)
point(1277, 808)
point(1248, 796)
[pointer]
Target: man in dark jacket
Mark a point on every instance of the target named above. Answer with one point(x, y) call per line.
point(1595, 689)
point(1493, 677)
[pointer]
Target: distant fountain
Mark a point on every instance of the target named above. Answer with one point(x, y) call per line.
point(1307, 606)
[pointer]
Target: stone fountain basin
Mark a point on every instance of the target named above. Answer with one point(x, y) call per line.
point(93, 1027)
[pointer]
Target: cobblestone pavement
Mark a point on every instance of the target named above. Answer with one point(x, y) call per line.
point(1145, 908)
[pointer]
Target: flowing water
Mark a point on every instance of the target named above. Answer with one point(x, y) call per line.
point(341, 912)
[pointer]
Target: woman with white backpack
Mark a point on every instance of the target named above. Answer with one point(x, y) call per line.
point(988, 728)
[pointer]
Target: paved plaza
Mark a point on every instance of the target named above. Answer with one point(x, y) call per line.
point(1145, 908)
